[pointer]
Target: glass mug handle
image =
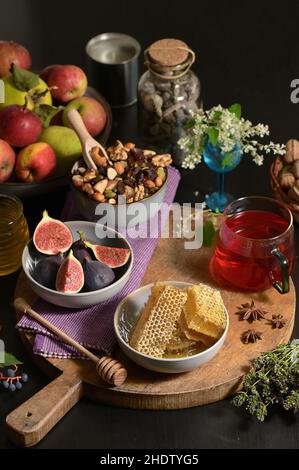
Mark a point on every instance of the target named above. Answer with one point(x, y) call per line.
point(284, 286)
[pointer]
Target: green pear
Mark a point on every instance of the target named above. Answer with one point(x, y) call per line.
point(66, 145)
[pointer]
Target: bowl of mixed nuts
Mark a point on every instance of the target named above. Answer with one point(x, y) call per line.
point(124, 177)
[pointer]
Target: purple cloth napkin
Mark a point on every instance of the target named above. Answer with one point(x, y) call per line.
point(93, 326)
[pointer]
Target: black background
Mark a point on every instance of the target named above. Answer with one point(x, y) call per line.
point(247, 52)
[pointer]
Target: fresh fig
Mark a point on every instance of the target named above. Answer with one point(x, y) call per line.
point(52, 236)
point(46, 270)
point(97, 275)
point(70, 275)
point(79, 249)
point(111, 256)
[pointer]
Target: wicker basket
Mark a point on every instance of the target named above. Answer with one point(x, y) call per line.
point(279, 193)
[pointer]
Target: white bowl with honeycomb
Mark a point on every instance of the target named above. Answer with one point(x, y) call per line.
point(171, 327)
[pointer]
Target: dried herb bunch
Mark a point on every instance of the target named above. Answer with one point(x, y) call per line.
point(274, 379)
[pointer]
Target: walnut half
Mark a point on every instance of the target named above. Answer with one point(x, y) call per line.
point(162, 160)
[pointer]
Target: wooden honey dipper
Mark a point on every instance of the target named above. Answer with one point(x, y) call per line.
point(109, 369)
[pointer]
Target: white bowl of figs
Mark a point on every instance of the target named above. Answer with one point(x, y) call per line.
point(76, 264)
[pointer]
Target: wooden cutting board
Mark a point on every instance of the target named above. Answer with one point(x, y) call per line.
point(218, 379)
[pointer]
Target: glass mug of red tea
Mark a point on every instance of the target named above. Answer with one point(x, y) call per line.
point(255, 248)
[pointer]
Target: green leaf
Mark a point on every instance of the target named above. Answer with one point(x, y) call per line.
point(216, 116)
point(189, 124)
point(236, 109)
point(24, 79)
point(10, 360)
point(213, 135)
point(46, 113)
point(227, 160)
point(209, 233)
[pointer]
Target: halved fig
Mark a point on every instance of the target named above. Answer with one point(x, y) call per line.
point(111, 256)
point(52, 236)
point(70, 275)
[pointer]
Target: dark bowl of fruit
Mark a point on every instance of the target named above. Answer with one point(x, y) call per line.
point(76, 264)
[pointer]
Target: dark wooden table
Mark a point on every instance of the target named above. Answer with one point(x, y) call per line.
point(248, 53)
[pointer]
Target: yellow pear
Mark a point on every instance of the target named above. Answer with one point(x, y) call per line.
point(12, 95)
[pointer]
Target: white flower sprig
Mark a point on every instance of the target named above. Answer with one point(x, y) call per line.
point(225, 128)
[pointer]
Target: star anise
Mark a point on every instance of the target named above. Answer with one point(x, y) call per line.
point(277, 321)
point(250, 312)
point(251, 336)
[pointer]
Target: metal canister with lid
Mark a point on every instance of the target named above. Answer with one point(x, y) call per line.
point(167, 92)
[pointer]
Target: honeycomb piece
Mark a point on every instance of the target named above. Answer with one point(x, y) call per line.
point(193, 335)
point(158, 321)
point(205, 311)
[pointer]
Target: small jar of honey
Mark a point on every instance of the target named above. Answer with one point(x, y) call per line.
point(14, 234)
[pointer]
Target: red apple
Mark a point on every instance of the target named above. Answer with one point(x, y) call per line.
point(45, 73)
point(35, 162)
point(67, 82)
point(19, 126)
point(92, 112)
point(11, 52)
point(7, 160)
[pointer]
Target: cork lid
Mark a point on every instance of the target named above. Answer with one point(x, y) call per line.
point(169, 52)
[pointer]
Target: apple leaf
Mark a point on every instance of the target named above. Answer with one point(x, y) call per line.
point(10, 360)
point(24, 79)
point(46, 113)
point(213, 135)
point(236, 109)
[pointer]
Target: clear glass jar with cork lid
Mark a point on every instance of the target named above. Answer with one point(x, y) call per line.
point(167, 92)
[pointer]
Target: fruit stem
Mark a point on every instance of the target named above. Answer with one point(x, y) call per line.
point(45, 213)
point(24, 107)
point(81, 235)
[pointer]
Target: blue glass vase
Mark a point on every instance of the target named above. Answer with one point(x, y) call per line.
point(221, 162)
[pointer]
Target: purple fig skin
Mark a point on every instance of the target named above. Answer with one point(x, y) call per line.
point(97, 275)
point(46, 270)
point(80, 251)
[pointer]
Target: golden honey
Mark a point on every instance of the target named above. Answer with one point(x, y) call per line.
point(14, 234)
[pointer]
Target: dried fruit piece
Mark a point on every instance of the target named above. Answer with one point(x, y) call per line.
point(98, 158)
point(101, 186)
point(119, 168)
point(52, 236)
point(77, 181)
point(46, 270)
point(158, 182)
point(111, 173)
point(97, 275)
point(149, 184)
point(99, 197)
point(70, 275)
point(161, 173)
point(109, 194)
point(89, 175)
point(162, 160)
point(111, 256)
point(112, 184)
